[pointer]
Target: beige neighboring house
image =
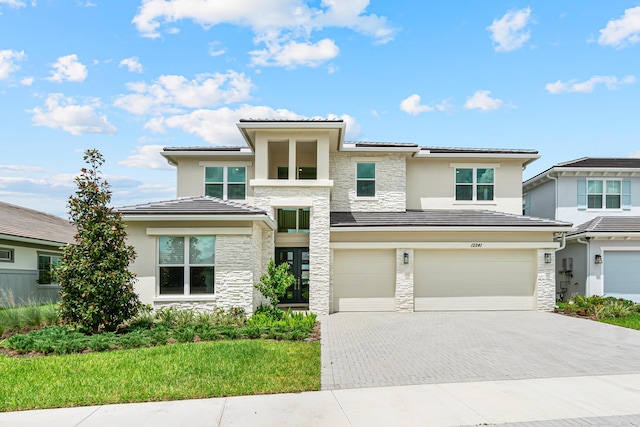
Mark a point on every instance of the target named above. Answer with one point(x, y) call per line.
point(365, 226)
point(30, 243)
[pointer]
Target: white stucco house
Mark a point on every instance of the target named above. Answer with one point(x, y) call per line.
point(601, 196)
point(30, 244)
point(365, 226)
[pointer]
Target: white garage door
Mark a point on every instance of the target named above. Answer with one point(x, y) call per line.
point(622, 274)
point(364, 280)
point(474, 279)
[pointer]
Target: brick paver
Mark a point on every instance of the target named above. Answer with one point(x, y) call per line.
point(624, 420)
point(387, 349)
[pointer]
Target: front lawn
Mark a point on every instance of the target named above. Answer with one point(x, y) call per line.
point(610, 310)
point(181, 371)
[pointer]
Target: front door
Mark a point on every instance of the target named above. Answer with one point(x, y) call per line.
point(298, 259)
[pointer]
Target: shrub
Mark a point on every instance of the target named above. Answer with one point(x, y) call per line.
point(103, 342)
point(275, 282)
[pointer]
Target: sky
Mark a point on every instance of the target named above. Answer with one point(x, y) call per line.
point(130, 77)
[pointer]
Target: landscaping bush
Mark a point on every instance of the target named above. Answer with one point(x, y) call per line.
point(600, 307)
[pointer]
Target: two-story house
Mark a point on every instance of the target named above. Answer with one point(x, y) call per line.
point(600, 196)
point(365, 226)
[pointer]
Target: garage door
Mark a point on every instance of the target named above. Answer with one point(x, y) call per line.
point(364, 280)
point(474, 279)
point(622, 274)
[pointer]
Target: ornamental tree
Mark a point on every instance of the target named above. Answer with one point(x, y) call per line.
point(275, 282)
point(96, 286)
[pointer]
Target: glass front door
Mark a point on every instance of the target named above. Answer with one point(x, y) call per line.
point(298, 259)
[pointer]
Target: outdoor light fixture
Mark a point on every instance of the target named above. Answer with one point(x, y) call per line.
point(406, 258)
point(547, 258)
point(598, 259)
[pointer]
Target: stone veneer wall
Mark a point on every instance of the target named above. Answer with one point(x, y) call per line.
point(546, 281)
point(265, 197)
point(390, 183)
point(234, 275)
point(404, 281)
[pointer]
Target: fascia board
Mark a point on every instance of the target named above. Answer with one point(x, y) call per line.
point(191, 217)
point(31, 240)
point(557, 229)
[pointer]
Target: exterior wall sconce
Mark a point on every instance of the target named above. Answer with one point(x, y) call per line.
point(547, 258)
point(406, 258)
point(598, 259)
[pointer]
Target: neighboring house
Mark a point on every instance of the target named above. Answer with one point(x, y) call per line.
point(30, 243)
point(365, 226)
point(601, 197)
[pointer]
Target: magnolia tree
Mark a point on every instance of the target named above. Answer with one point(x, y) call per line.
point(96, 286)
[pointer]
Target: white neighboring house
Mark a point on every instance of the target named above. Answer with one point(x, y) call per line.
point(30, 243)
point(601, 196)
point(365, 226)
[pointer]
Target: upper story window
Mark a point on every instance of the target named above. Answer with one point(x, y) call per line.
point(46, 263)
point(604, 194)
point(304, 172)
point(293, 220)
point(366, 179)
point(6, 255)
point(186, 265)
point(226, 182)
point(474, 184)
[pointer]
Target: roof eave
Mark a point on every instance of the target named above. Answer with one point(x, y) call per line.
point(528, 157)
point(131, 217)
point(449, 228)
point(245, 128)
point(32, 240)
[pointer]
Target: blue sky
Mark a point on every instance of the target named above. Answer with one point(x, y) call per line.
point(129, 77)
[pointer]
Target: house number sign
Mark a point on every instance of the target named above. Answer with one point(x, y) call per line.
point(476, 245)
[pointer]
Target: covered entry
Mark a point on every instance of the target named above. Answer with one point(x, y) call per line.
point(474, 279)
point(364, 280)
point(622, 274)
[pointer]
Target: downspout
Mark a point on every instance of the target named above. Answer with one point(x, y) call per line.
point(587, 284)
point(563, 242)
point(555, 206)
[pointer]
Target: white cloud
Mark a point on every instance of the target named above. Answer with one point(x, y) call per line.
point(13, 3)
point(170, 93)
point(146, 157)
point(588, 86)
point(622, 32)
point(411, 105)
point(509, 31)
point(293, 54)
point(289, 24)
point(132, 64)
point(216, 49)
point(68, 68)
point(219, 126)
point(21, 169)
point(635, 154)
point(482, 100)
point(27, 81)
point(8, 60)
point(61, 112)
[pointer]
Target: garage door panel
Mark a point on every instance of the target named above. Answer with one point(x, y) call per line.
point(622, 273)
point(474, 280)
point(364, 280)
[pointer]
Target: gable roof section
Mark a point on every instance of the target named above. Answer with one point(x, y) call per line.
point(19, 223)
point(203, 205)
point(607, 225)
point(441, 218)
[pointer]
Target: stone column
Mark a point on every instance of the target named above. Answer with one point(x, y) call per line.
point(404, 281)
point(546, 281)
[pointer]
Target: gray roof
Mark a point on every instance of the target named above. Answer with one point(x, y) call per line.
point(462, 150)
point(291, 121)
point(602, 162)
point(206, 148)
point(439, 218)
point(28, 223)
point(609, 224)
point(203, 205)
point(381, 144)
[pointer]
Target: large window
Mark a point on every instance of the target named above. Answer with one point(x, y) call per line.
point(293, 220)
point(6, 255)
point(366, 179)
point(605, 194)
point(186, 265)
point(304, 172)
point(474, 184)
point(226, 182)
point(46, 262)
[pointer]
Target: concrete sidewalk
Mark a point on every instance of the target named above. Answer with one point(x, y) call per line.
point(568, 401)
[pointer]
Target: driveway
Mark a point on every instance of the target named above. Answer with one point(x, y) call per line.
point(388, 349)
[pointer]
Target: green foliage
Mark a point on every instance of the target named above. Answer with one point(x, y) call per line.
point(96, 284)
point(275, 282)
point(19, 318)
point(290, 326)
point(600, 307)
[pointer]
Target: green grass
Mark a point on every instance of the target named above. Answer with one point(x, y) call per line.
point(631, 321)
point(13, 319)
point(181, 371)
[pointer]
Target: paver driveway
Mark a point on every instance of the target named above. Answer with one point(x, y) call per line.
point(382, 349)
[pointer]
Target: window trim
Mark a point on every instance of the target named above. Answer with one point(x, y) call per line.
point(474, 184)
point(225, 180)
point(374, 179)
point(11, 253)
point(47, 254)
point(603, 195)
point(186, 265)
